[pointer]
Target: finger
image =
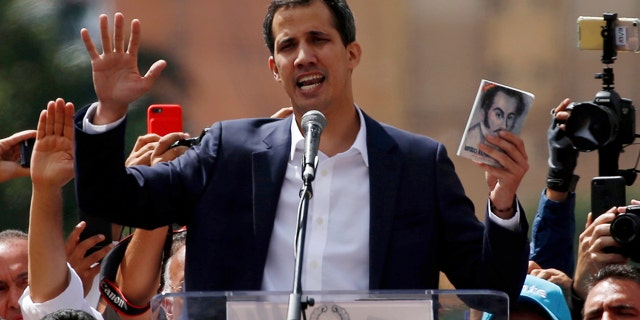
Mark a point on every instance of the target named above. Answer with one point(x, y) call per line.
point(510, 144)
point(118, 32)
point(50, 119)
point(88, 44)
point(42, 123)
point(69, 111)
point(143, 158)
point(73, 238)
point(105, 36)
point(144, 140)
point(168, 155)
point(97, 255)
point(154, 72)
point(59, 116)
point(563, 105)
point(18, 137)
point(89, 243)
point(166, 141)
point(515, 141)
point(282, 113)
point(134, 38)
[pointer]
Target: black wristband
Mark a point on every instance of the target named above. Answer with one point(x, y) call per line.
point(562, 184)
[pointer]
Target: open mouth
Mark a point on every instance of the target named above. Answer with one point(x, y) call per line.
point(310, 82)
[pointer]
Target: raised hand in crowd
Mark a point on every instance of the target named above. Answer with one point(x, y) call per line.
point(116, 78)
point(10, 168)
point(52, 283)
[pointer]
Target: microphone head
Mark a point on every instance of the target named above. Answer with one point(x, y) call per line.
point(314, 117)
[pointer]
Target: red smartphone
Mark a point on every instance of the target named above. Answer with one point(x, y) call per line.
point(164, 118)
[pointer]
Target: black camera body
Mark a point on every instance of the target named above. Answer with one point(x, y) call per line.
point(625, 229)
point(609, 119)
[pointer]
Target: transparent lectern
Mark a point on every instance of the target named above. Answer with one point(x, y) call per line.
point(330, 305)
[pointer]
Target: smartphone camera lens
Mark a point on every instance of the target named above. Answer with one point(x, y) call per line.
point(156, 110)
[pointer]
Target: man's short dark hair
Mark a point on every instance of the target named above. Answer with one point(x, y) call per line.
point(615, 271)
point(490, 95)
point(12, 234)
point(69, 314)
point(342, 18)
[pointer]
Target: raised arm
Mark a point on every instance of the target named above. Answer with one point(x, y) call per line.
point(51, 169)
point(116, 78)
point(138, 277)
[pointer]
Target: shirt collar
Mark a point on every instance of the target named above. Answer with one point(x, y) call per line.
point(359, 145)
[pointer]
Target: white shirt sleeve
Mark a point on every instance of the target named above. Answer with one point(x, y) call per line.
point(71, 298)
point(512, 224)
point(91, 128)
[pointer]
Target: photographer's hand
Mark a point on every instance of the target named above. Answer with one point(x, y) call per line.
point(592, 255)
point(563, 158)
point(116, 78)
point(10, 154)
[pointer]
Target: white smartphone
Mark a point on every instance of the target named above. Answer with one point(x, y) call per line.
point(627, 33)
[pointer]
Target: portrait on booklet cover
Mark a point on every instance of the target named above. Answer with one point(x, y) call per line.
point(496, 107)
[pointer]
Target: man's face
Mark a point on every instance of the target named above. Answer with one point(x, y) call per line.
point(613, 299)
point(502, 113)
point(13, 277)
point(310, 59)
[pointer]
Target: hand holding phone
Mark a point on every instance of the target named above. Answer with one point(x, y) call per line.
point(164, 118)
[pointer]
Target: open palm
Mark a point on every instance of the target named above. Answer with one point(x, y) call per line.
point(52, 160)
point(116, 77)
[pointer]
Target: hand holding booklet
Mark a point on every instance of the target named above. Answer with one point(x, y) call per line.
point(496, 107)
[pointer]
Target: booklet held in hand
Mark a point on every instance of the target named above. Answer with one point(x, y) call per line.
point(496, 107)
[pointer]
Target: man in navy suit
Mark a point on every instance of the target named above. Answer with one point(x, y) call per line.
point(388, 210)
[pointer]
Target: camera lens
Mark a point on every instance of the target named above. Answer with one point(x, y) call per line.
point(625, 228)
point(591, 126)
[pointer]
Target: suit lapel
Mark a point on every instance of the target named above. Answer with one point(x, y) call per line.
point(384, 165)
point(269, 166)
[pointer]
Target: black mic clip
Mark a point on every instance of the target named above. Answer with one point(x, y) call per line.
point(309, 170)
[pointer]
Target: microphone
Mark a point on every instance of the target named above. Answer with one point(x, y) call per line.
point(313, 122)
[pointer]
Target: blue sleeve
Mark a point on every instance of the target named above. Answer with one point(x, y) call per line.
point(552, 234)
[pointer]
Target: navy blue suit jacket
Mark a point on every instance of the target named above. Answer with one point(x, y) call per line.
point(226, 191)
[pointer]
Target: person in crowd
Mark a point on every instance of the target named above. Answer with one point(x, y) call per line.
point(553, 228)
point(53, 283)
point(13, 272)
point(14, 263)
point(613, 293)
point(539, 299)
point(10, 167)
point(388, 210)
point(139, 274)
point(552, 250)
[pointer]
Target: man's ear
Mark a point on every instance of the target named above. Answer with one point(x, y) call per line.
point(355, 53)
point(274, 69)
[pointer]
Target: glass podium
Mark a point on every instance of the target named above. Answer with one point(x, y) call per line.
point(330, 305)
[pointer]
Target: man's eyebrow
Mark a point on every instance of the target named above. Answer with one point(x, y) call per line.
point(625, 307)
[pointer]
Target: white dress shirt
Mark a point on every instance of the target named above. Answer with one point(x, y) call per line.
point(336, 254)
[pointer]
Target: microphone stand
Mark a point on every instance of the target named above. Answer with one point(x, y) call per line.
point(297, 303)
